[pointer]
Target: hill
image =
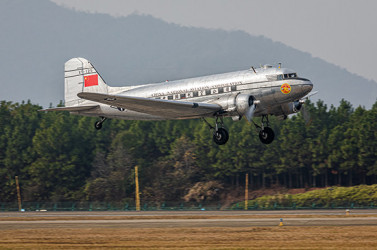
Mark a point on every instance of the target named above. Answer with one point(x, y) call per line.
point(37, 37)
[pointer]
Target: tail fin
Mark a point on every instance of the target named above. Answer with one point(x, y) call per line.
point(81, 76)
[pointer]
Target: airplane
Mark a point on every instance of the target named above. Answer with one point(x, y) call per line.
point(255, 92)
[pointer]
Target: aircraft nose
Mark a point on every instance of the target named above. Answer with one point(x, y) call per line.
point(307, 87)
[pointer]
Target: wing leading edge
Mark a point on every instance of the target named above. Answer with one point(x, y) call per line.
point(72, 109)
point(157, 107)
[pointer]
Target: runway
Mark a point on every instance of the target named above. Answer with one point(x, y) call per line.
point(197, 223)
point(310, 212)
point(188, 219)
point(302, 229)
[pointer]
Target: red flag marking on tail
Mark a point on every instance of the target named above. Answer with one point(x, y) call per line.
point(91, 80)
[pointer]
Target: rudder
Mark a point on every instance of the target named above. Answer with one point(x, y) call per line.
point(81, 76)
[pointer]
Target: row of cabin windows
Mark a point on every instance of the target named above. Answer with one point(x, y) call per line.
point(199, 93)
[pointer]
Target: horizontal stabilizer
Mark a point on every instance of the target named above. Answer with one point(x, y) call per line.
point(158, 107)
point(72, 109)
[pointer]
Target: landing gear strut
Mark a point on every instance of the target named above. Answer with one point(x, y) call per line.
point(98, 124)
point(220, 134)
point(266, 134)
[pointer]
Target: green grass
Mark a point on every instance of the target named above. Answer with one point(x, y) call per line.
point(333, 197)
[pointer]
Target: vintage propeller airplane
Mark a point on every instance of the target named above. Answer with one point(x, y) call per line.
point(255, 92)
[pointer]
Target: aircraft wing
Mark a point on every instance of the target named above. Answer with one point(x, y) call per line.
point(158, 107)
point(72, 109)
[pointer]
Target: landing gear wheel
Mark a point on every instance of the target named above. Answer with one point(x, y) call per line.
point(98, 125)
point(266, 135)
point(221, 136)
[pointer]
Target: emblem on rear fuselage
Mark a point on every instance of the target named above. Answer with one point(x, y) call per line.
point(285, 88)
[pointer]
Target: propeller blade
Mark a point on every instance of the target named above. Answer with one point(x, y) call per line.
point(250, 113)
point(308, 96)
point(306, 115)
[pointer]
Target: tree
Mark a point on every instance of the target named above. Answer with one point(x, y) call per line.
point(111, 176)
point(19, 125)
point(62, 159)
point(59, 157)
point(172, 176)
point(367, 144)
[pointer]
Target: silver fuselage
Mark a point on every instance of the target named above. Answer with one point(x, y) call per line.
point(264, 84)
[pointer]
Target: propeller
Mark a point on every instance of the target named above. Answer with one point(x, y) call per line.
point(250, 112)
point(305, 113)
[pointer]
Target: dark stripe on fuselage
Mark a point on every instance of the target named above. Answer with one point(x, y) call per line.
point(213, 92)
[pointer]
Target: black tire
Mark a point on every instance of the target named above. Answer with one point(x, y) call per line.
point(267, 135)
point(221, 136)
point(98, 125)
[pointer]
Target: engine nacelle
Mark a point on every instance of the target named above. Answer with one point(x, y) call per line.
point(236, 105)
point(291, 108)
point(243, 103)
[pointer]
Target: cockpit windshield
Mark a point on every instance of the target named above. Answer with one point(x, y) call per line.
point(291, 75)
point(287, 76)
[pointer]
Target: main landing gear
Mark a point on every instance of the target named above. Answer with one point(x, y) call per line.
point(220, 134)
point(98, 124)
point(266, 134)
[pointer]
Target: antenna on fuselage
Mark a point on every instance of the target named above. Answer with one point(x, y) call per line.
point(252, 67)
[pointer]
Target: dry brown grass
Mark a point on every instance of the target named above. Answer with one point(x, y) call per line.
point(331, 237)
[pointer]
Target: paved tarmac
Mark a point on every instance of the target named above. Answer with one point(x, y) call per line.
point(309, 212)
point(175, 219)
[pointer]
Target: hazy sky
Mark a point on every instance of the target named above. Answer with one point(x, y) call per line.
point(343, 32)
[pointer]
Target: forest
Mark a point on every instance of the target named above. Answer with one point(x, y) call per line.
point(62, 157)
